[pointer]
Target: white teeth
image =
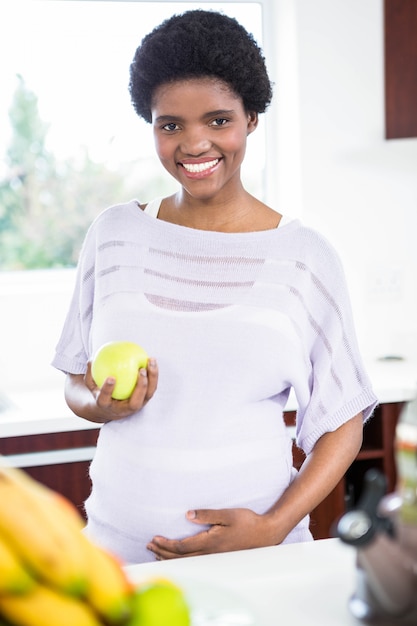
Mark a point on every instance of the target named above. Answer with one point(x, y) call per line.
point(200, 167)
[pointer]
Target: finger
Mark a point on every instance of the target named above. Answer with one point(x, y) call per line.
point(152, 371)
point(174, 548)
point(145, 385)
point(165, 554)
point(212, 517)
point(88, 377)
point(138, 396)
point(104, 395)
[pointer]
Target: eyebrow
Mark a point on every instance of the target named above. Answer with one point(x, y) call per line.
point(170, 118)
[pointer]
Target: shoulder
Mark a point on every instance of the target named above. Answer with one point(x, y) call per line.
point(314, 268)
point(112, 225)
point(115, 218)
point(312, 237)
point(309, 246)
point(117, 211)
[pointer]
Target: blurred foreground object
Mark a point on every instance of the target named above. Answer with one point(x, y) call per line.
point(50, 572)
point(383, 529)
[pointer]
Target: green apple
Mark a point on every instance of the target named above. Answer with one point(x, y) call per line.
point(159, 602)
point(120, 360)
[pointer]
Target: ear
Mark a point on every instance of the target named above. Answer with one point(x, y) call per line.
point(253, 120)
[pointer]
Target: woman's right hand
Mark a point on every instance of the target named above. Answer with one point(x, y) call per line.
point(87, 400)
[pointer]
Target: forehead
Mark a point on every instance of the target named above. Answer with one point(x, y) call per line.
point(205, 90)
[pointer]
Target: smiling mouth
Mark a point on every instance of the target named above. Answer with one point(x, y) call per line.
point(195, 168)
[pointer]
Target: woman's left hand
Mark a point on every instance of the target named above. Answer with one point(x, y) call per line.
point(229, 529)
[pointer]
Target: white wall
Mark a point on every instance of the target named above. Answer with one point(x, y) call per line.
point(33, 306)
point(356, 187)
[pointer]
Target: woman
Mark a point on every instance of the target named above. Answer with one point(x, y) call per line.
point(237, 304)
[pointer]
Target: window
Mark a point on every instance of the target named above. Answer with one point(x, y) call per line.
point(74, 138)
point(73, 145)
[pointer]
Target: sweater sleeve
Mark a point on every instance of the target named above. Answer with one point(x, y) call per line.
point(72, 351)
point(337, 386)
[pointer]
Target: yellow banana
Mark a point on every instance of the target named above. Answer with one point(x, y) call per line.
point(52, 551)
point(54, 498)
point(44, 606)
point(109, 590)
point(64, 509)
point(13, 576)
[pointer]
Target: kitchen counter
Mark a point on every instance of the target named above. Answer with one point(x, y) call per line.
point(40, 434)
point(295, 584)
point(34, 415)
point(37, 411)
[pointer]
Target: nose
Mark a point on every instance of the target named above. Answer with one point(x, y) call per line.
point(194, 141)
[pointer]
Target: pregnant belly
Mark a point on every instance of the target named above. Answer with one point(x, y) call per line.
point(145, 492)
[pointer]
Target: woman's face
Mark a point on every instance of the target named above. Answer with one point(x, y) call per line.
point(200, 129)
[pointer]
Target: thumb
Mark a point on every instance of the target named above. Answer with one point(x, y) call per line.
point(207, 516)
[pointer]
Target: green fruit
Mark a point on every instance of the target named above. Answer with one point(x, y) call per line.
point(120, 360)
point(159, 603)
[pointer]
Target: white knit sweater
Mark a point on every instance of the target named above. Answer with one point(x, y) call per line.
point(234, 320)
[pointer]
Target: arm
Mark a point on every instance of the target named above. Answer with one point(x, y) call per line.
point(329, 460)
point(237, 529)
point(86, 400)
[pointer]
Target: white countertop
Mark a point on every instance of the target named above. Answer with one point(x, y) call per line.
point(40, 411)
point(293, 585)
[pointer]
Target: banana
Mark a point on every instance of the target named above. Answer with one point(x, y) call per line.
point(45, 530)
point(44, 606)
point(109, 590)
point(48, 495)
point(13, 576)
point(28, 523)
point(108, 587)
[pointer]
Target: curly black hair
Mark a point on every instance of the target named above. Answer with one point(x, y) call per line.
point(197, 44)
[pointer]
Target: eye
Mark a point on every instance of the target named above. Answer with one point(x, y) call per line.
point(171, 126)
point(219, 121)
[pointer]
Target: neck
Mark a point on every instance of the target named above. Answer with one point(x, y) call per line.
point(238, 213)
point(224, 215)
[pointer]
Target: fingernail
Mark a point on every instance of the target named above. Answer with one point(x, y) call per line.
point(110, 381)
point(152, 363)
point(191, 514)
point(143, 372)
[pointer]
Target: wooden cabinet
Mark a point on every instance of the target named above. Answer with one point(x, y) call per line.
point(69, 477)
point(72, 480)
point(377, 450)
point(400, 68)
